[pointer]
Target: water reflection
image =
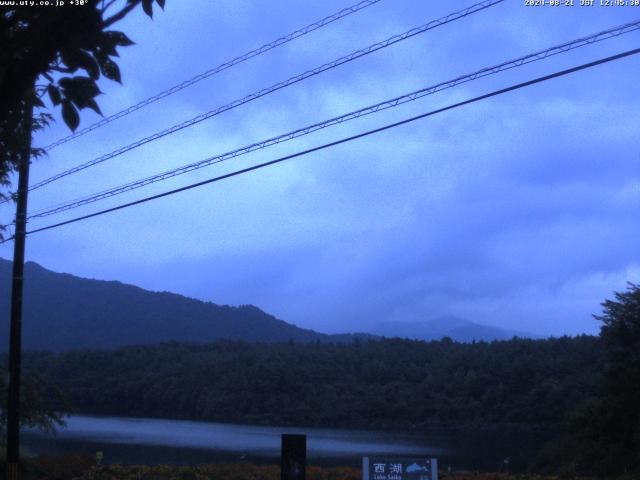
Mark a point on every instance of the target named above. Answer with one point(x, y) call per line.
point(234, 438)
point(140, 440)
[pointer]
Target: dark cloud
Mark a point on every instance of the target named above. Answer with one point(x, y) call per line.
point(517, 212)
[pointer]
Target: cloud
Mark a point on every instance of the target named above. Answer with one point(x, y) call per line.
point(516, 212)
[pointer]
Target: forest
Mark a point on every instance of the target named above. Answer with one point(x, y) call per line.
point(367, 384)
point(584, 389)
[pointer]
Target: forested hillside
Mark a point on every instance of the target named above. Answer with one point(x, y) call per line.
point(383, 384)
point(63, 312)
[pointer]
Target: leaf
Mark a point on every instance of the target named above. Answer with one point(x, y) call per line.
point(69, 61)
point(161, 3)
point(80, 90)
point(66, 82)
point(37, 102)
point(119, 38)
point(38, 152)
point(88, 63)
point(93, 106)
point(70, 115)
point(41, 120)
point(54, 94)
point(110, 69)
point(147, 6)
point(107, 47)
point(76, 58)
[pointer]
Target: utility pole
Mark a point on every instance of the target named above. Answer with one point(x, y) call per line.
point(15, 335)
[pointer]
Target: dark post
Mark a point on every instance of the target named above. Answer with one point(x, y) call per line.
point(293, 457)
point(15, 335)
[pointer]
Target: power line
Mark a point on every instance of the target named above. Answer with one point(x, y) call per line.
point(540, 55)
point(213, 71)
point(344, 140)
point(295, 79)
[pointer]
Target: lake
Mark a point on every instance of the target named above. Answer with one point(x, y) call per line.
point(152, 441)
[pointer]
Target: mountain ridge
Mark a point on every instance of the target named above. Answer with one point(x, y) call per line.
point(62, 311)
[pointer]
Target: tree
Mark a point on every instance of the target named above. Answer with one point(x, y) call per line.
point(66, 49)
point(41, 404)
point(620, 408)
point(604, 433)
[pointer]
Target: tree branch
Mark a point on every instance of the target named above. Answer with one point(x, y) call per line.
point(120, 15)
point(61, 69)
point(106, 7)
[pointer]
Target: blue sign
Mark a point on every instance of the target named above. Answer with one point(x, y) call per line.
point(400, 468)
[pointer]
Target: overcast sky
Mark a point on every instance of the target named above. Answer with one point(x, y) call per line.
point(520, 211)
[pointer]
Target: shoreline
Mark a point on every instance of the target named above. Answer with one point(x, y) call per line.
point(380, 427)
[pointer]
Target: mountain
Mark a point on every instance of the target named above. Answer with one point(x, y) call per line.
point(457, 329)
point(62, 312)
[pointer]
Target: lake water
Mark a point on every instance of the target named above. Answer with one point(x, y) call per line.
point(151, 441)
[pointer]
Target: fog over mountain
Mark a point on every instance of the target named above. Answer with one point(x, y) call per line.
point(456, 328)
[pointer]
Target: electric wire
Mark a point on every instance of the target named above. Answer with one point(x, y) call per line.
point(343, 140)
point(295, 79)
point(213, 71)
point(539, 55)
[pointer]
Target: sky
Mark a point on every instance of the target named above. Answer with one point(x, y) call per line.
point(520, 211)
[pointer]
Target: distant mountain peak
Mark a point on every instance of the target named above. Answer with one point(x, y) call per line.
point(456, 328)
point(446, 322)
